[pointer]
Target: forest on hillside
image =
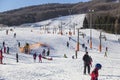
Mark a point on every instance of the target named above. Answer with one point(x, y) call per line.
point(106, 14)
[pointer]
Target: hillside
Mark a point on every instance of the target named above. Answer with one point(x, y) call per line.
point(46, 11)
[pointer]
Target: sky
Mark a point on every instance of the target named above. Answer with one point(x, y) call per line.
point(6, 5)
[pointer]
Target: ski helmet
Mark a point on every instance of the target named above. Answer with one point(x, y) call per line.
point(99, 66)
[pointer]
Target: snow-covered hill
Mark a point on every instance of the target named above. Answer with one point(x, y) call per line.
point(59, 68)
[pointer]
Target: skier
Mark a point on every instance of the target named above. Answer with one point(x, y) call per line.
point(69, 38)
point(7, 50)
point(34, 56)
point(3, 43)
point(106, 48)
point(43, 52)
point(14, 35)
point(106, 52)
point(88, 41)
point(67, 44)
point(48, 52)
point(76, 54)
point(86, 59)
point(40, 58)
point(18, 44)
point(73, 57)
point(17, 57)
point(4, 49)
point(94, 74)
point(86, 49)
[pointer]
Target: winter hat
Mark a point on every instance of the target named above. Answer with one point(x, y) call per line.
point(99, 66)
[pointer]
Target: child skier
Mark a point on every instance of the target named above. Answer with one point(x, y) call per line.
point(94, 74)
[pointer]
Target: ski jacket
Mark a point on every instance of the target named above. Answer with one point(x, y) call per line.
point(94, 74)
point(86, 59)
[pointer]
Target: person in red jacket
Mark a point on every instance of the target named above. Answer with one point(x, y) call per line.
point(94, 74)
point(40, 58)
point(1, 57)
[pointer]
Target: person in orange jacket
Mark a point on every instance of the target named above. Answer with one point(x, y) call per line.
point(94, 75)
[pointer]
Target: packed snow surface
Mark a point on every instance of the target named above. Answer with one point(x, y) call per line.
point(59, 68)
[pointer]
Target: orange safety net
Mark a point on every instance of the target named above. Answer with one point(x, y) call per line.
point(36, 45)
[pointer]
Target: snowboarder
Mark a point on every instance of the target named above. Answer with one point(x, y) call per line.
point(40, 58)
point(86, 59)
point(17, 57)
point(94, 74)
point(48, 52)
point(34, 56)
point(43, 52)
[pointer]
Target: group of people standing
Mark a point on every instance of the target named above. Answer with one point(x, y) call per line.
point(4, 49)
point(39, 56)
point(44, 53)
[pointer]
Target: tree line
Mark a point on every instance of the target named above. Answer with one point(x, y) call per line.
point(34, 14)
point(108, 23)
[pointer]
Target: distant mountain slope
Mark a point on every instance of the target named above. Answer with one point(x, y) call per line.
point(34, 13)
point(46, 11)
